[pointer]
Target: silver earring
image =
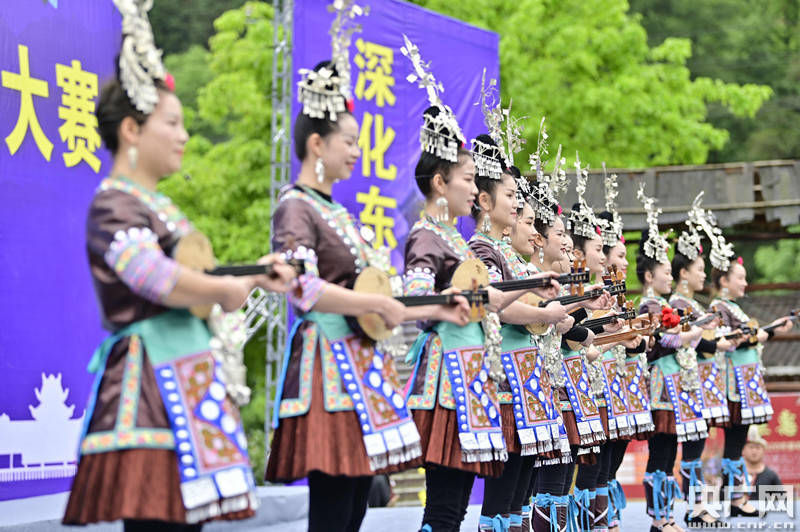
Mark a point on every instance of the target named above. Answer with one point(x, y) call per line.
point(506, 238)
point(443, 214)
point(684, 286)
point(486, 225)
point(649, 292)
point(541, 255)
point(724, 293)
point(133, 157)
point(319, 168)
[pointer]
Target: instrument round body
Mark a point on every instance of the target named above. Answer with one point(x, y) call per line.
point(371, 280)
point(194, 251)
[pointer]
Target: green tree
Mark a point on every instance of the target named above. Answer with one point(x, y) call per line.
point(588, 68)
point(180, 24)
point(226, 194)
point(740, 42)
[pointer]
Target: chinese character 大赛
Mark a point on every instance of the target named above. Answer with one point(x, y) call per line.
point(374, 147)
point(375, 79)
point(28, 87)
point(374, 214)
point(79, 129)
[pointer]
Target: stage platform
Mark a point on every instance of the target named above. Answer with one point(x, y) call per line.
point(284, 509)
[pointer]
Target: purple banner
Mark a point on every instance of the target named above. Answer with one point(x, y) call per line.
point(382, 192)
point(54, 57)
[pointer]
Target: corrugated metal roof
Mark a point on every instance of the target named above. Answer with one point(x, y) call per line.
point(736, 192)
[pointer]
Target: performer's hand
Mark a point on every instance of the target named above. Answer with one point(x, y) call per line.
point(632, 343)
point(556, 313)
point(785, 326)
point(457, 313)
point(565, 324)
point(724, 344)
point(762, 335)
point(600, 303)
point(547, 292)
point(614, 326)
point(389, 309)
point(282, 274)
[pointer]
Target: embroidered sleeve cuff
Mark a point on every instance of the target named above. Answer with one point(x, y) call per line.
point(418, 282)
point(310, 283)
point(140, 263)
point(670, 340)
point(495, 275)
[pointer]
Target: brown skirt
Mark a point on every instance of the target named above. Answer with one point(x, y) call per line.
point(330, 442)
point(438, 429)
point(664, 421)
point(735, 409)
point(130, 484)
point(510, 428)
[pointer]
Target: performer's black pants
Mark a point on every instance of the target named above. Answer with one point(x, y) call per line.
point(735, 438)
point(506, 493)
point(144, 525)
point(336, 503)
point(591, 476)
point(617, 453)
point(447, 497)
point(692, 450)
point(663, 452)
point(554, 479)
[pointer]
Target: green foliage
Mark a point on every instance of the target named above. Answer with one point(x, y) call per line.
point(588, 68)
point(778, 263)
point(227, 195)
point(739, 41)
point(180, 24)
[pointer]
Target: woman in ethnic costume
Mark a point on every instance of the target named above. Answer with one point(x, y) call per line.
point(495, 212)
point(553, 504)
point(699, 374)
point(622, 422)
point(163, 447)
point(666, 395)
point(341, 414)
point(591, 483)
point(548, 411)
point(748, 401)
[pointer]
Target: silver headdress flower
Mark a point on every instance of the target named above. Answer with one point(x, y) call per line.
point(440, 134)
point(689, 243)
point(504, 129)
point(139, 59)
point(581, 220)
point(324, 92)
point(656, 245)
point(721, 250)
point(544, 201)
point(611, 230)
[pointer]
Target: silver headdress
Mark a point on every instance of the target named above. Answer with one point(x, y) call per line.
point(721, 251)
point(139, 59)
point(689, 243)
point(440, 135)
point(324, 92)
point(487, 159)
point(544, 201)
point(581, 220)
point(656, 245)
point(611, 230)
